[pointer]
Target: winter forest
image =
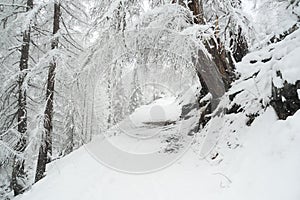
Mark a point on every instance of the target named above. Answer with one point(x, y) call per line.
point(149, 99)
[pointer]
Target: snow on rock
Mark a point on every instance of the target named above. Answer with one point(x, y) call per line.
point(282, 56)
point(290, 63)
point(275, 64)
point(267, 164)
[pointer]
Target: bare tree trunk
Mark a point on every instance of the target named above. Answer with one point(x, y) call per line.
point(18, 164)
point(217, 76)
point(46, 145)
point(216, 49)
point(197, 7)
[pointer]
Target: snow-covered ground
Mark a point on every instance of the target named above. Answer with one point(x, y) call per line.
point(265, 167)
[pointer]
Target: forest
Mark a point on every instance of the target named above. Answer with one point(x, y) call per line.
point(149, 99)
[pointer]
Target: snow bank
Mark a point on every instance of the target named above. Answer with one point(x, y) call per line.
point(161, 110)
point(267, 165)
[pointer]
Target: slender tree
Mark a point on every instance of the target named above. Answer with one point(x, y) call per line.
point(18, 172)
point(46, 145)
point(197, 7)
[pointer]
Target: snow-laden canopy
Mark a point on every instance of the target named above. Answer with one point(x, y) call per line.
point(161, 54)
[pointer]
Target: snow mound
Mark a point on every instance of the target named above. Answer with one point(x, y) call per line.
point(282, 56)
point(165, 109)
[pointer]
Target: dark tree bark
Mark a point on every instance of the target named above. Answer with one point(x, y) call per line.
point(215, 48)
point(220, 56)
point(45, 150)
point(238, 44)
point(197, 7)
point(18, 164)
point(214, 75)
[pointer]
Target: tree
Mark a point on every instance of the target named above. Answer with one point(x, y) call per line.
point(18, 166)
point(23, 84)
point(46, 145)
point(137, 96)
point(232, 26)
point(196, 6)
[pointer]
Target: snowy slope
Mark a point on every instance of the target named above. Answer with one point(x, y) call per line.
point(265, 167)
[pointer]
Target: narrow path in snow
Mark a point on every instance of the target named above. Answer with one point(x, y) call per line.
point(96, 171)
point(151, 138)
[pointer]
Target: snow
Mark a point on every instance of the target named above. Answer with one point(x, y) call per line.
point(79, 176)
point(256, 162)
point(282, 56)
point(163, 109)
point(291, 65)
point(268, 18)
point(142, 142)
point(226, 160)
point(264, 167)
point(268, 162)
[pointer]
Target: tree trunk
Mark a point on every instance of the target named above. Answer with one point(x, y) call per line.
point(214, 75)
point(18, 164)
point(238, 45)
point(45, 150)
point(216, 49)
point(197, 7)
